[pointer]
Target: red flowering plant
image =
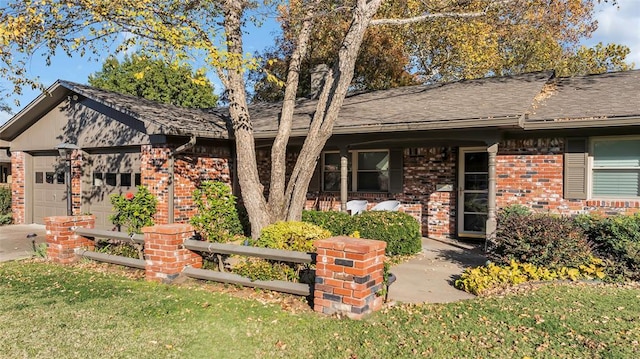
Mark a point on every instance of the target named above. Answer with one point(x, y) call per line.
point(133, 211)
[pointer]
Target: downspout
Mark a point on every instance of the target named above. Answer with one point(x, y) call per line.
point(172, 161)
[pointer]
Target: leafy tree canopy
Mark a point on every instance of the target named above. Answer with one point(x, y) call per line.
point(514, 38)
point(156, 80)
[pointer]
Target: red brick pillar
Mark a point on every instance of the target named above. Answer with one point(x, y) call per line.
point(348, 276)
point(154, 168)
point(163, 251)
point(18, 176)
point(61, 239)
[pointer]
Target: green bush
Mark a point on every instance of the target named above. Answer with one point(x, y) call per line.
point(293, 236)
point(338, 223)
point(480, 279)
point(217, 219)
point(399, 230)
point(261, 269)
point(5, 206)
point(5, 200)
point(616, 240)
point(134, 211)
point(540, 239)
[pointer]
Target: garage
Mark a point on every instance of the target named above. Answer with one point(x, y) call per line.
point(49, 189)
point(109, 173)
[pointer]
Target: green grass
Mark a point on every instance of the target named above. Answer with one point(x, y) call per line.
point(50, 311)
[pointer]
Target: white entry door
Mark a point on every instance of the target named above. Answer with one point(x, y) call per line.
point(473, 192)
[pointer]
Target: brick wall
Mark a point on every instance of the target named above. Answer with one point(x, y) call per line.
point(18, 187)
point(202, 163)
point(530, 172)
point(154, 173)
point(424, 170)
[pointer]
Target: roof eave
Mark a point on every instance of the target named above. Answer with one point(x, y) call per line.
point(505, 121)
point(42, 104)
point(582, 123)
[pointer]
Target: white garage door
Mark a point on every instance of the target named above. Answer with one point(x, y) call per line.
point(113, 173)
point(49, 189)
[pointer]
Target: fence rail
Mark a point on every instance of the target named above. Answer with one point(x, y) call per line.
point(264, 253)
point(231, 278)
point(99, 233)
point(110, 258)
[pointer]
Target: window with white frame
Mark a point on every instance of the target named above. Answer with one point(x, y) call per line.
point(615, 170)
point(367, 171)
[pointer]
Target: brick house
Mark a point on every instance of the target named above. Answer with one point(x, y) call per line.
point(451, 153)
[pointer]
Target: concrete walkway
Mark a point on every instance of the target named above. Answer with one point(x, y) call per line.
point(14, 243)
point(430, 275)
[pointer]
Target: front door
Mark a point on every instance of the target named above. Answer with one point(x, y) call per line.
point(473, 192)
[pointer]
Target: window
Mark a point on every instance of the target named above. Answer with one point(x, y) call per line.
point(39, 177)
point(368, 171)
point(110, 179)
point(125, 179)
point(60, 177)
point(138, 181)
point(97, 179)
point(49, 177)
point(615, 171)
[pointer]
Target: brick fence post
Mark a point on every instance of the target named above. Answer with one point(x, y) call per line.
point(61, 239)
point(349, 273)
point(165, 256)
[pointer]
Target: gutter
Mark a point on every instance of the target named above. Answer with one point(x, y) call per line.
point(172, 160)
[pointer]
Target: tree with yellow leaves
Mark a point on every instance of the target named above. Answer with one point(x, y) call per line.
point(211, 31)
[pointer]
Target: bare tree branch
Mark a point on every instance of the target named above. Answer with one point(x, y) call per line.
point(425, 17)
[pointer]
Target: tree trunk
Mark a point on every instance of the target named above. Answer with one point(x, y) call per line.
point(331, 99)
point(247, 167)
point(279, 149)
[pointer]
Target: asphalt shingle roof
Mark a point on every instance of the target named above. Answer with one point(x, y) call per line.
point(162, 118)
point(609, 95)
point(417, 106)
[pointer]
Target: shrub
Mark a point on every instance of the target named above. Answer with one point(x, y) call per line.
point(217, 218)
point(293, 236)
point(338, 223)
point(615, 239)
point(134, 211)
point(5, 200)
point(480, 279)
point(261, 269)
point(399, 230)
point(540, 239)
point(5, 206)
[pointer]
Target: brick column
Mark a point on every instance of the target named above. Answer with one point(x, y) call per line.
point(164, 254)
point(18, 176)
point(154, 168)
point(348, 276)
point(62, 241)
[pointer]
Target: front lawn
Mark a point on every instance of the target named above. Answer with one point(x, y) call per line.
point(50, 311)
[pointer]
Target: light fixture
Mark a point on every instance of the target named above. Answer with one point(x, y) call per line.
point(66, 150)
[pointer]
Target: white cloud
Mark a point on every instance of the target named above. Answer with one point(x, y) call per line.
point(621, 25)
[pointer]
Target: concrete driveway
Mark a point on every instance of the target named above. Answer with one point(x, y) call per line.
point(429, 276)
point(14, 243)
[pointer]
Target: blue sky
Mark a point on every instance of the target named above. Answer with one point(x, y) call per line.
point(619, 24)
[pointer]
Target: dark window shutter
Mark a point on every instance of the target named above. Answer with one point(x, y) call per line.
point(395, 170)
point(576, 168)
point(314, 185)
